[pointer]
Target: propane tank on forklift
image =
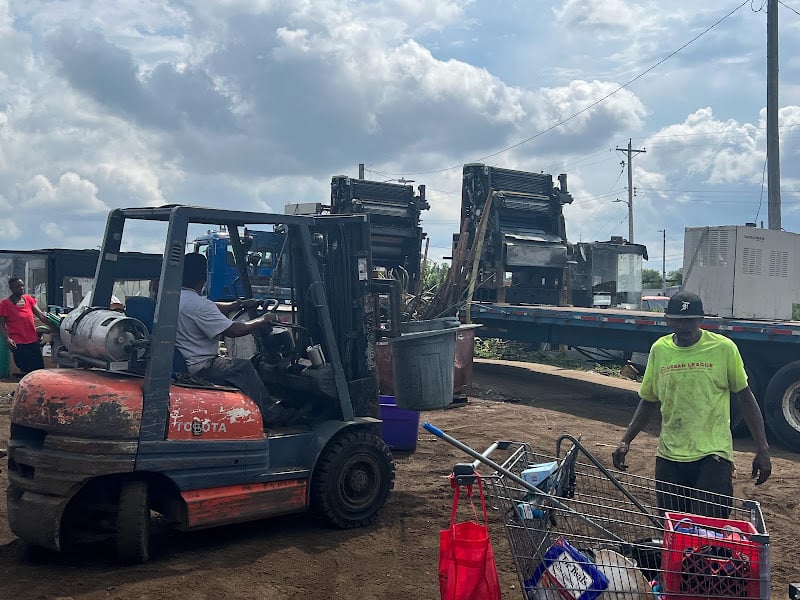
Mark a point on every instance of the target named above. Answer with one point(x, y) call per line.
point(102, 334)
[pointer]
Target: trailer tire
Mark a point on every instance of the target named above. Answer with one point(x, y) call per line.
point(133, 522)
point(782, 407)
point(352, 480)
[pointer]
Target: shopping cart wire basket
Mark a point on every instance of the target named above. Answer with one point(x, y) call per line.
point(585, 532)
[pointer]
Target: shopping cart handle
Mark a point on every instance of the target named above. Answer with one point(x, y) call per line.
point(433, 429)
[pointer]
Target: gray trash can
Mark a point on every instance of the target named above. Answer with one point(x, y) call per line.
point(422, 366)
point(429, 325)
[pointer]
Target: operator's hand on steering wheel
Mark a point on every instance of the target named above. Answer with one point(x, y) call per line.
point(762, 466)
point(250, 303)
point(618, 456)
point(268, 319)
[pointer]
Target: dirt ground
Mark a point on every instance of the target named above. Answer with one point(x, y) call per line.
point(396, 557)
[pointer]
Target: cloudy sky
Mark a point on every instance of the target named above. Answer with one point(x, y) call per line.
point(250, 104)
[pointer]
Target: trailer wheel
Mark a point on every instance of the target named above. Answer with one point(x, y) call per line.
point(133, 522)
point(755, 380)
point(352, 480)
point(783, 406)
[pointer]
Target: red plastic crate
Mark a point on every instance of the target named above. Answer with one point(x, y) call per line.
point(731, 570)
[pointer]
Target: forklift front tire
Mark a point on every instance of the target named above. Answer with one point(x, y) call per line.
point(133, 522)
point(352, 480)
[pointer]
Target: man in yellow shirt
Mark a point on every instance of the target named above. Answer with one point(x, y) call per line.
point(691, 374)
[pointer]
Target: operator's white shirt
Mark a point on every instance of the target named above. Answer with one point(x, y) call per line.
point(199, 326)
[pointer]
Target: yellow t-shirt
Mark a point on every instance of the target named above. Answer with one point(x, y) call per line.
point(693, 385)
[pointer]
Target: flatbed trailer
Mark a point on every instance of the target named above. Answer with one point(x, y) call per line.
point(770, 349)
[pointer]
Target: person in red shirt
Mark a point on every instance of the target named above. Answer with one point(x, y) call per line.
point(17, 326)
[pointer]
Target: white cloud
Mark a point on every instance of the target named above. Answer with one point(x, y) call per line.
point(52, 231)
point(716, 162)
point(623, 108)
point(608, 15)
point(73, 195)
point(253, 103)
point(8, 228)
point(9, 231)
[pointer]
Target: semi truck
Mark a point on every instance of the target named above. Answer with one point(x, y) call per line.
point(266, 264)
point(747, 278)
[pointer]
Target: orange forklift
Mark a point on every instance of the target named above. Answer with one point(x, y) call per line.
point(117, 433)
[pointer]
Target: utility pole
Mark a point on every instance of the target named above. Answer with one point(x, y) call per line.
point(663, 262)
point(630, 151)
point(361, 170)
point(773, 145)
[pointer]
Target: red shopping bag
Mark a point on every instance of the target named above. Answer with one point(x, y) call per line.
point(467, 569)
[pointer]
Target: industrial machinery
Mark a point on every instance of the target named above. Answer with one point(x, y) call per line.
point(607, 273)
point(98, 445)
point(394, 212)
point(524, 240)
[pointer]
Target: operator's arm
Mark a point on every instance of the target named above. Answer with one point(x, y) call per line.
point(240, 328)
point(226, 308)
point(641, 417)
point(751, 413)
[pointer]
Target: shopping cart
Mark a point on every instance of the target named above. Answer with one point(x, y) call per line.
point(583, 532)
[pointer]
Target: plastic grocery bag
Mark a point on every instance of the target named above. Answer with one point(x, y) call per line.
point(467, 570)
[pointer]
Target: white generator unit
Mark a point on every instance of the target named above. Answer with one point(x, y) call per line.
point(742, 272)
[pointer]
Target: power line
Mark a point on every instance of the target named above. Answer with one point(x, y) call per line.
point(585, 109)
point(789, 7)
point(580, 162)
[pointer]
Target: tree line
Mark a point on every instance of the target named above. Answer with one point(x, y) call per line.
point(651, 278)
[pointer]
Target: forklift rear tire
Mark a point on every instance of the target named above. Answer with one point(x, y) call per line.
point(133, 522)
point(352, 480)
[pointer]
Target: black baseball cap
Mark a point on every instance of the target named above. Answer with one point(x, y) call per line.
point(684, 305)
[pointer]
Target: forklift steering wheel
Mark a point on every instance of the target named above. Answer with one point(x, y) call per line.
point(270, 305)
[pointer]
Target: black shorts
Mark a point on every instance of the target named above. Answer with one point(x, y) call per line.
point(702, 487)
point(28, 357)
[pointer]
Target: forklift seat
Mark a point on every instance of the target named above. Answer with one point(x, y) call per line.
point(141, 308)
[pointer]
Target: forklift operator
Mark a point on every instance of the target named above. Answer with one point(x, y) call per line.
point(200, 324)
